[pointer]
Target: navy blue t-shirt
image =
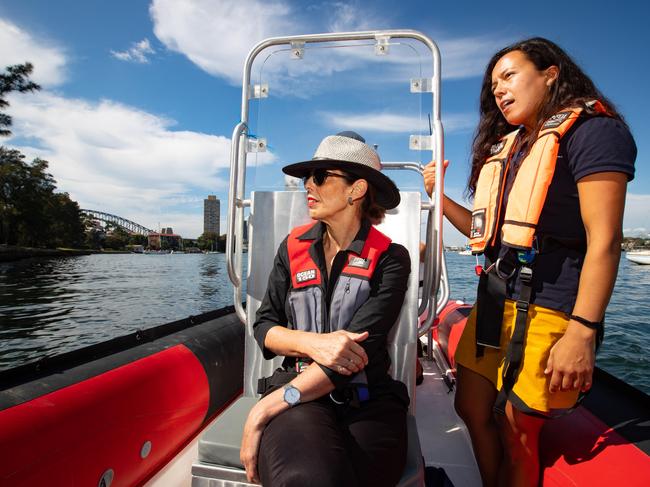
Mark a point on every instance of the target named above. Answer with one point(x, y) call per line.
point(592, 145)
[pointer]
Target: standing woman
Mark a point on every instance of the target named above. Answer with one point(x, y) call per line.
point(332, 416)
point(550, 163)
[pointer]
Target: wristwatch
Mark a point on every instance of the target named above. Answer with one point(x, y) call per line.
point(291, 395)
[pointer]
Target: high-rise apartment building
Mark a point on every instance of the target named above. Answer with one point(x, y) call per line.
point(211, 214)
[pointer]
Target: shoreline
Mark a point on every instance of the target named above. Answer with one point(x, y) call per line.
point(9, 253)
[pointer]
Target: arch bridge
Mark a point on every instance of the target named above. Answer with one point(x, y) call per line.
point(127, 225)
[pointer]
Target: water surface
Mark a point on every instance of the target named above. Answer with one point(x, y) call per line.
point(49, 306)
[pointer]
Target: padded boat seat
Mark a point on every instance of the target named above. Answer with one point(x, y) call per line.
point(220, 443)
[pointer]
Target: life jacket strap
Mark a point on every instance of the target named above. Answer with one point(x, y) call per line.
point(515, 352)
point(304, 271)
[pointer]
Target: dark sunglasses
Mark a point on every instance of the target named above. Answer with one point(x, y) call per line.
point(320, 176)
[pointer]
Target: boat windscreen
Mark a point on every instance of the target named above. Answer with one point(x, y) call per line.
point(308, 92)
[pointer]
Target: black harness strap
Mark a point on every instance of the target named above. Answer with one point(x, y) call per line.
point(492, 292)
point(515, 352)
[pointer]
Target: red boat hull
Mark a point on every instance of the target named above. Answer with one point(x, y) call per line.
point(604, 442)
point(129, 418)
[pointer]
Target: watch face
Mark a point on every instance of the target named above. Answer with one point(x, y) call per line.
point(291, 395)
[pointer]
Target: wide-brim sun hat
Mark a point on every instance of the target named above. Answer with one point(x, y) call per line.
point(349, 152)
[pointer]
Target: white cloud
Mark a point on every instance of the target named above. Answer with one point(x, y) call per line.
point(640, 232)
point(118, 159)
point(137, 53)
point(109, 156)
point(395, 123)
point(18, 46)
point(216, 35)
point(636, 221)
point(468, 56)
point(350, 17)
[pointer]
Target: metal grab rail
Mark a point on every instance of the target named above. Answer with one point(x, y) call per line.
point(443, 299)
point(236, 278)
point(428, 278)
point(428, 269)
point(238, 160)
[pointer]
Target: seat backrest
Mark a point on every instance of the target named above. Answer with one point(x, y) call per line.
point(273, 215)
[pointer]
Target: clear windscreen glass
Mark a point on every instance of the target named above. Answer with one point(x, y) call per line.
point(331, 87)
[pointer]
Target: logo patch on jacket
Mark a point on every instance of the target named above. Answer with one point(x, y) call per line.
point(496, 148)
point(307, 275)
point(556, 120)
point(359, 262)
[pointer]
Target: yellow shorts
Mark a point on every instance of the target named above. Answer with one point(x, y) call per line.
point(530, 393)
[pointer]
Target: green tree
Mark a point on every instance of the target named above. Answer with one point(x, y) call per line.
point(11, 168)
point(31, 212)
point(25, 191)
point(66, 225)
point(16, 78)
point(136, 239)
point(33, 202)
point(207, 241)
point(95, 234)
point(221, 243)
point(117, 238)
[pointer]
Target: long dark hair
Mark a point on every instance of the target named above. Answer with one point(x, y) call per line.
point(573, 88)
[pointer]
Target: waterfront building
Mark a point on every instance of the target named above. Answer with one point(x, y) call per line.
point(211, 214)
point(164, 240)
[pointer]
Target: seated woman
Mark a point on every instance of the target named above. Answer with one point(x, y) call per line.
point(332, 416)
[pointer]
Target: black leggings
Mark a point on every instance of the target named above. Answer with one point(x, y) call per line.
point(318, 444)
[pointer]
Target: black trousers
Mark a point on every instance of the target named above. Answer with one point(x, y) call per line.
point(319, 444)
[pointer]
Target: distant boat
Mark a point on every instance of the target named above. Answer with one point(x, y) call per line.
point(466, 251)
point(639, 256)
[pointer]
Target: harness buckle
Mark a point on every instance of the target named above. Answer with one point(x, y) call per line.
point(526, 274)
point(504, 275)
point(522, 306)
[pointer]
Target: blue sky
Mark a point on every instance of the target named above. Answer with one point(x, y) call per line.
point(140, 97)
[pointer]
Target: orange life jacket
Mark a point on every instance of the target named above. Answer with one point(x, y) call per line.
point(528, 193)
